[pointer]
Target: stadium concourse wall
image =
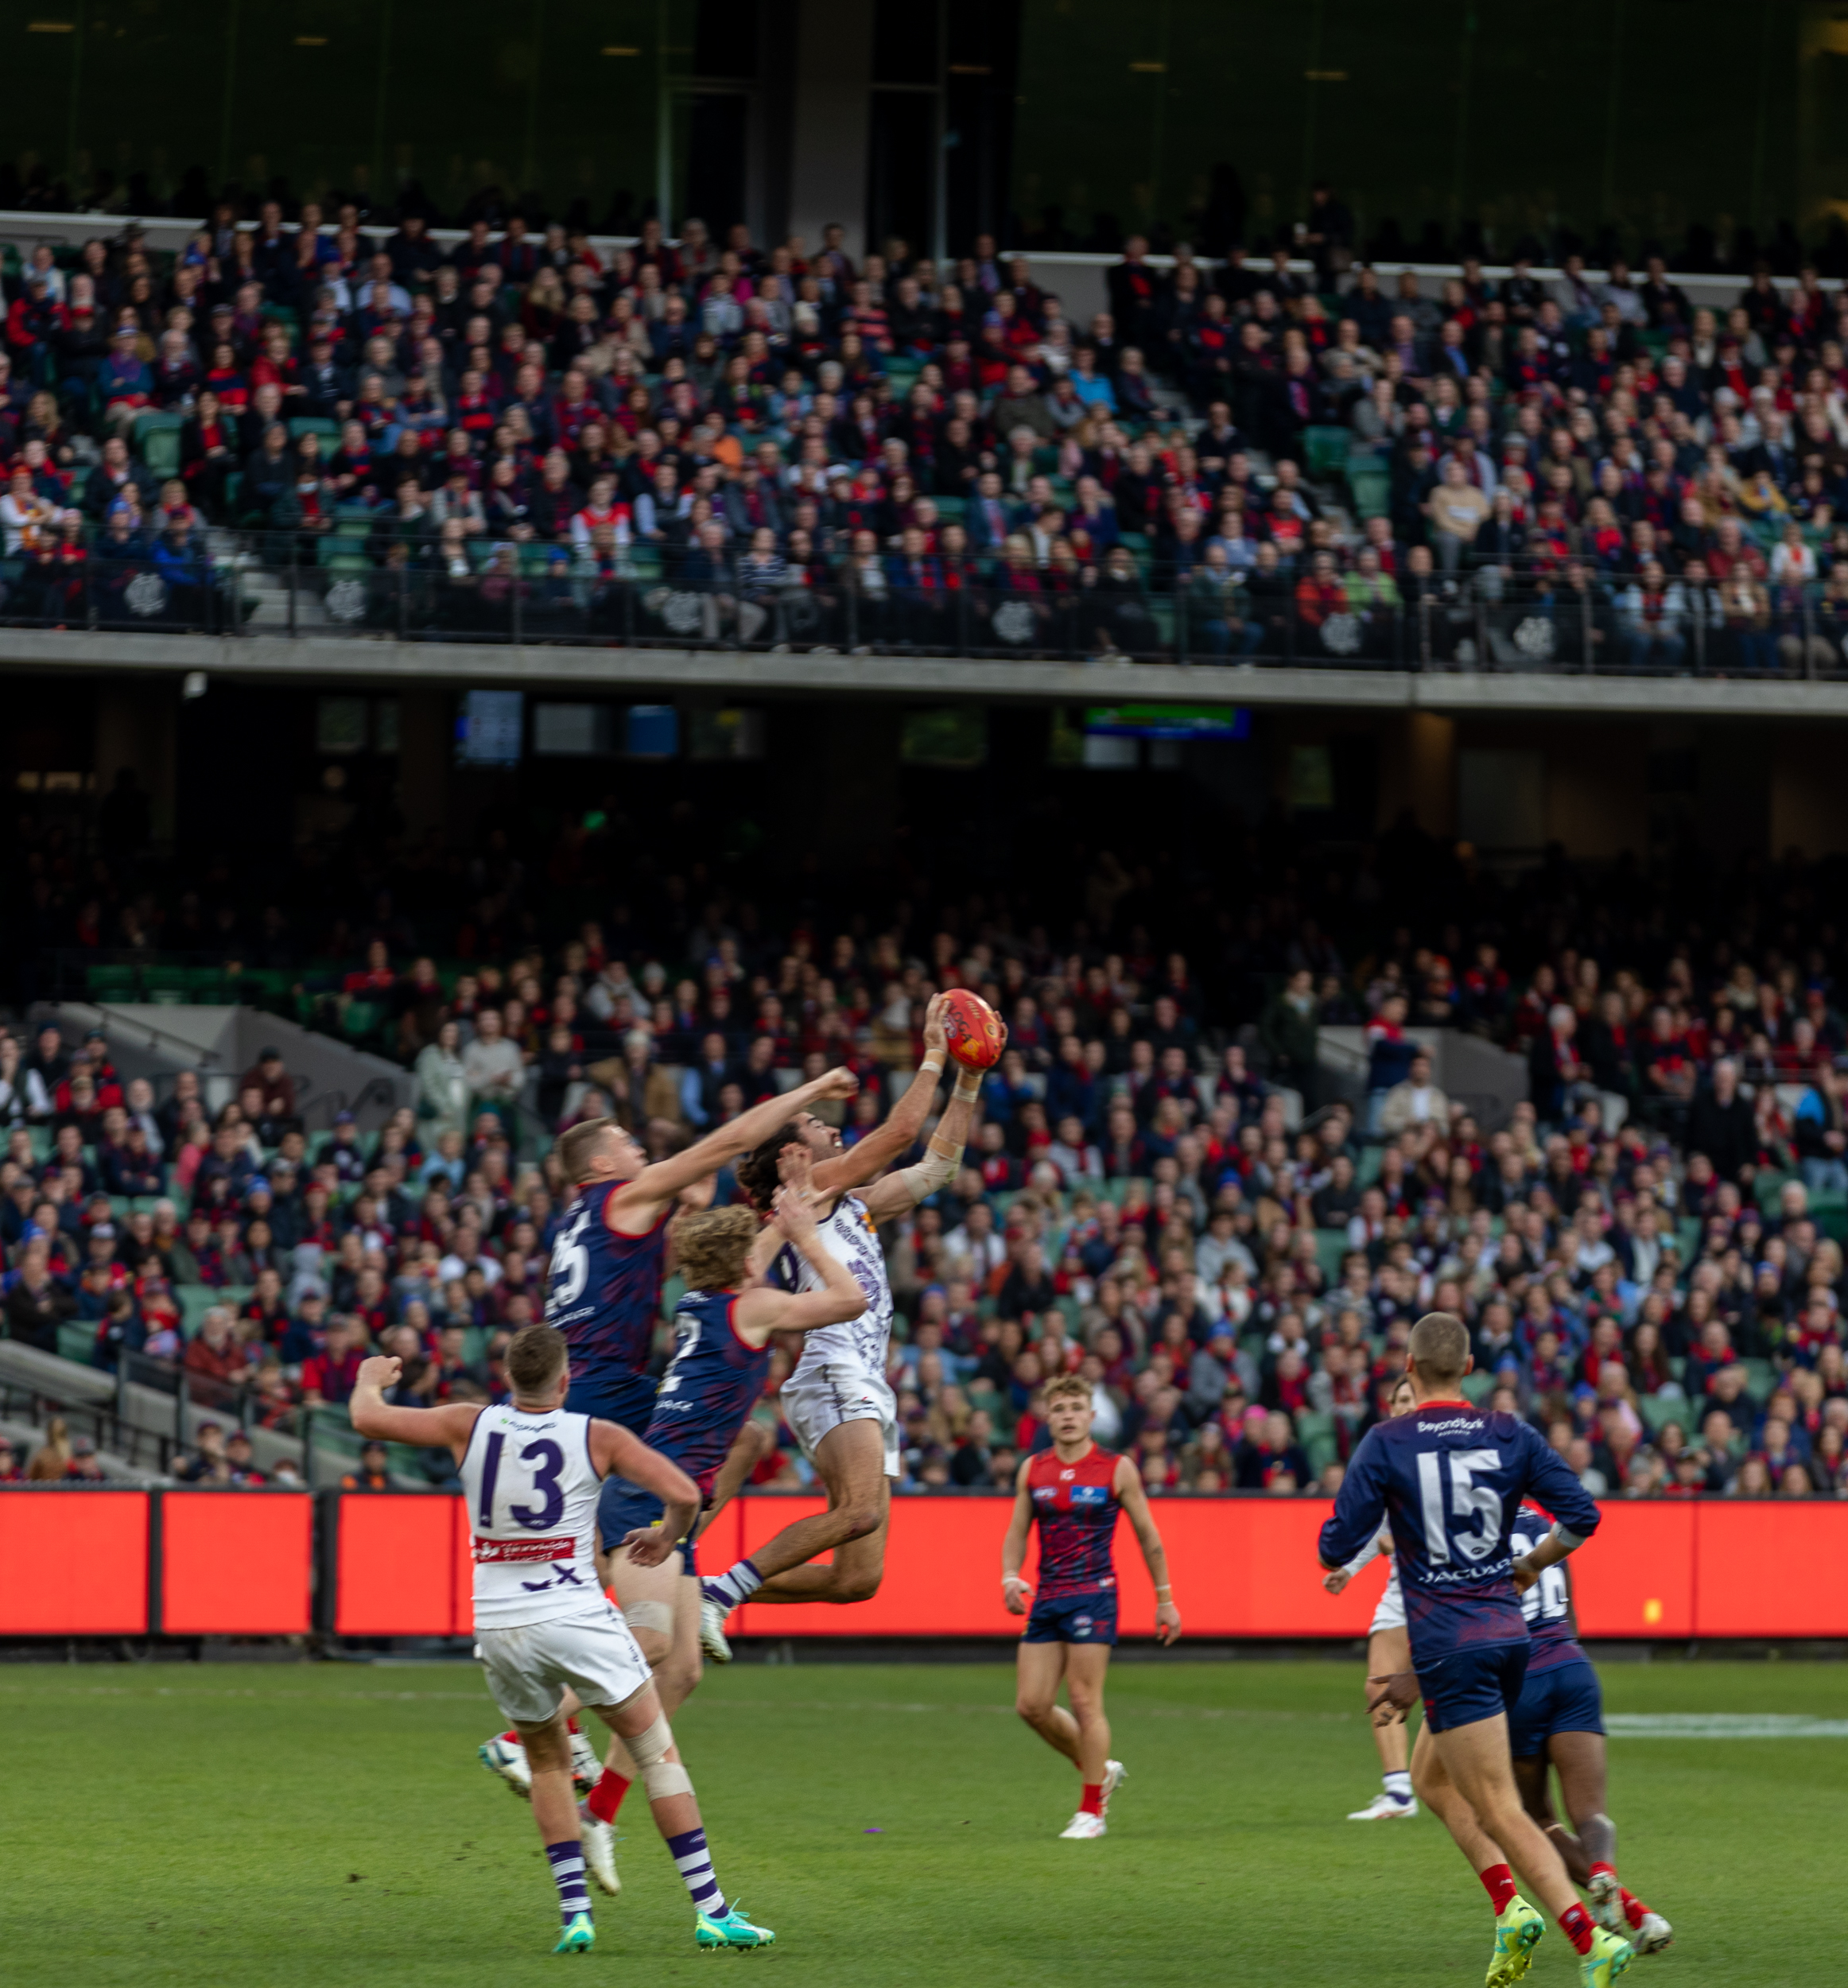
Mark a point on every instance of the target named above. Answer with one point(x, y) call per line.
point(75, 1562)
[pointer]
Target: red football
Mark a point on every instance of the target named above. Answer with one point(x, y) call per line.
point(976, 1037)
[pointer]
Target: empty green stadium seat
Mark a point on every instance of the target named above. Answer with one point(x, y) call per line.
point(1325, 450)
point(113, 982)
point(1658, 1410)
point(157, 441)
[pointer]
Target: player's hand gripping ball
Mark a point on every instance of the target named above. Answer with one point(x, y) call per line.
point(975, 1034)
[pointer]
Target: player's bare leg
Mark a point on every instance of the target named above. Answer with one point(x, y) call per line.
point(1389, 1651)
point(850, 1460)
point(1518, 1927)
point(506, 1753)
point(639, 1722)
point(1038, 1669)
point(1083, 1733)
point(662, 1607)
point(1439, 1794)
point(1476, 1763)
point(1590, 1854)
point(548, 1752)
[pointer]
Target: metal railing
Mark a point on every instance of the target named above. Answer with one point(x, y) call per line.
point(1515, 619)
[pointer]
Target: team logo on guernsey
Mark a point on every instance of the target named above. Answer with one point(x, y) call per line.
point(1089, 1493)
point(492, 1551)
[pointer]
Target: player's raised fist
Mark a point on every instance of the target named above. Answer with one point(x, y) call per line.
point(381, 1371)
point(838, 1082)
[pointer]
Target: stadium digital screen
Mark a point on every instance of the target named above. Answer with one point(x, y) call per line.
point(1168, 721)
point(489, 727)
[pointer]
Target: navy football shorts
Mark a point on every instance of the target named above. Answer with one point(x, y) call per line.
point(1074, 1619)
point(621, 1507)
point(1472, 1684)
point(1566, 1699)
point(626, 1399)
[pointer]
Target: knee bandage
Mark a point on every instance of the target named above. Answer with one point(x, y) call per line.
point(658, 1616)
point(660, 1776)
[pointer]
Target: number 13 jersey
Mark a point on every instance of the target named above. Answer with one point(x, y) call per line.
point(532, 1492)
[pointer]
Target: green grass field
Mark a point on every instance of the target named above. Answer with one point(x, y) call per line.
point(271, 1825)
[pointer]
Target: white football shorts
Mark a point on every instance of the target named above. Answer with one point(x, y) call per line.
point(837, 1390)
point(528, 1667)
point(1390, 1613)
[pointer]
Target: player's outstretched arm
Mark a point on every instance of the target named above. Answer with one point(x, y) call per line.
point(1134, 1500)
point(615, 1452)
point(761, 1310)
point(656, 1185)
point(899, 1193)
point(1014, 1589)
point(447, 1427)
point(874, 1154)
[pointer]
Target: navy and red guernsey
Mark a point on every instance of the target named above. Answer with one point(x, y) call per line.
point(604, 1295)
point(1448, 1480)
point(708, 1391)
point(1547, 1605)
point(1076, 1505)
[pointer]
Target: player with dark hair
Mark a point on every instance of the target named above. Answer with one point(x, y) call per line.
point(1073, 1492)
point(532, 1474)
point(1449, 1478)
point(838, 1401)
point(603, 1293)
point(722, 1333)
point(1559, 1723)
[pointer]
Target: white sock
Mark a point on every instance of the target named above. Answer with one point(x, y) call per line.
point(1398, 1785)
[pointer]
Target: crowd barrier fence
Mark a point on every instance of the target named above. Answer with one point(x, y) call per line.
point(83, 1563)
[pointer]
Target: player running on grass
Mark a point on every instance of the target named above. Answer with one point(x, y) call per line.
point(837, 1401)
point(1074, 1491)
point(722, 1328)
point(1559, 1723)
point(603, 1294)
point(1388, 1650)
point(532, 1472)
point(1449, 1478)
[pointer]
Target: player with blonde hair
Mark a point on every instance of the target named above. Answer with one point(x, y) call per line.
point(1073, 1492)
point(722, 1334)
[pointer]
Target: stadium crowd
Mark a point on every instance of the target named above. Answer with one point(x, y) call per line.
point(522, 430)
point(1649, 1253)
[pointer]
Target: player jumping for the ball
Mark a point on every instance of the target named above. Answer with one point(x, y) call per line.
point(532, 1473)
point(1073, 1491)
point(837, 1401)
point(603, 1293)
point(1449, 1477)
point(722, 1332)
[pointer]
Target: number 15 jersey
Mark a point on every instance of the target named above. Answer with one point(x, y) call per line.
point(532, 1492)
point(1449, 1479)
